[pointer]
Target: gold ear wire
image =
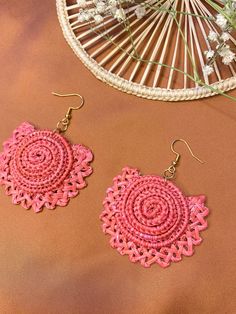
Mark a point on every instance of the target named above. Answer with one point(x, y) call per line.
point(189, 148)
point(63, 124)
point(169, 173)
point(70, 95)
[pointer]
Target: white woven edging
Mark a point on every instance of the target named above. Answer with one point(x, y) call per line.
point(155, 93)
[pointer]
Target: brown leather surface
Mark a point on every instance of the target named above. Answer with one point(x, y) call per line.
point(59, 261)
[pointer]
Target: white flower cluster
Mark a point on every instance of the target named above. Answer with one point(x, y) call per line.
point(96, 10)
point(222, 49)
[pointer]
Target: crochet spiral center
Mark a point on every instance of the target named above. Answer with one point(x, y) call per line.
point(42, 160)
point(153, 212)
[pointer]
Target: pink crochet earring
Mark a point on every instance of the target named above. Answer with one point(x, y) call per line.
point(40, 168)
point(149, 219)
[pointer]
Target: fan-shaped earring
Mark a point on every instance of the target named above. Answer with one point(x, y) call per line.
point(149, 219)
point(40, 168)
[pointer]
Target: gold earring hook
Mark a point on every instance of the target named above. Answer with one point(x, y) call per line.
point(71, 95)
point(169, 173)
point(63, 124)
point(189, 148)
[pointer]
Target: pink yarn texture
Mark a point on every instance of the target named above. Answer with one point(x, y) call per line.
point(150, 220)
point(40, 168)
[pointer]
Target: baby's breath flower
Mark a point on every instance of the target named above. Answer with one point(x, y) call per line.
point(209, 54)
point(81, 3)
point(225, 36)
point(140, 11)
point(208, 69)
point(212, 36)
point(221, 21)
point(120, 14)
point(98, 19)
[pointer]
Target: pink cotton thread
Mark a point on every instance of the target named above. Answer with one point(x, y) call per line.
point(40, 168)
point(150, 220)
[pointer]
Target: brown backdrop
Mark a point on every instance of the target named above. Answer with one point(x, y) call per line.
point(60, 261)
